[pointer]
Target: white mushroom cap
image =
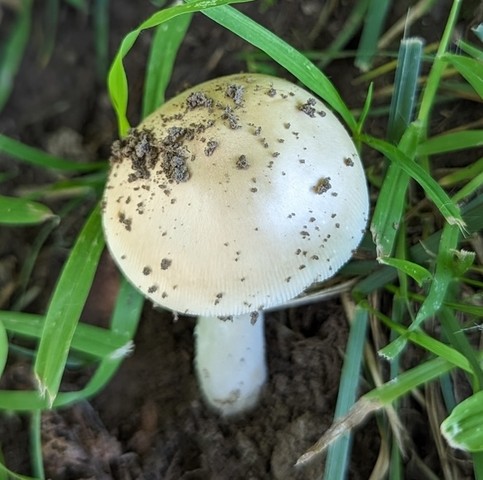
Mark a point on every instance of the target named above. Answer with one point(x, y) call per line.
point(234, 196)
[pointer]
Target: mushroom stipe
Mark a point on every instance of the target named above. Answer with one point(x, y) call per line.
point(256, 169)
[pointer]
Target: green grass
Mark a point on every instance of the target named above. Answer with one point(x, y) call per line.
point(423, 274)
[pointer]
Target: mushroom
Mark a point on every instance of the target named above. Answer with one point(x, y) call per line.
point(231, 198)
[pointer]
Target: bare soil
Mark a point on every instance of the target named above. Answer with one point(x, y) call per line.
point(150, 423)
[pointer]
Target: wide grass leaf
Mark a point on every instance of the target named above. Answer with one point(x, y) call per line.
point(3, 347)
point(13, 49)
point(124, 322)
point(339, 452)
point(451, 142)
point(8, 474)
point(19, 211)
point(449, 266)
point(117, 78)
point(285, 55)
point(463, 428)
point(414, 270)
point(34, 156)
point(440, 198)
point(87, 339)
point(470, 68)
point(66, 307)
point(373, 25)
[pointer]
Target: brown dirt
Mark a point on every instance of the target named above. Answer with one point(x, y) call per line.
point(150, 421)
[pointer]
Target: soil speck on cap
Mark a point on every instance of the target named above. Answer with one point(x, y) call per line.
point(198, 99)
point(141, 148)
point(271, 92)
point(308, 107)
point(127, 222)
point(210, 147)
point(348, 162)
point(242, 162)
point(175, 154)
point(235, 92)
point(165, 263)
point(231, 117)
point(323, 185)
point(153, 288)
point(147, 270)
point(254, 317)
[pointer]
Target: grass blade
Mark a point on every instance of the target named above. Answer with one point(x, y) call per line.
point(392, 197)
point(383, 276)
point(412, 269)
point(450, 142)
point(36, 443)
point(478, 31)
point(447, 265)
point(338, 454)
point(66, 307)
point(3, 347)
point(117, 79)
point(462, 429)
point(349, 30)
point(463, 174)
point(19, 211)
point(405, 83)
point(470, 49)
point(437, 68)
point(13, 50)
point(87, 339)
point(50, 21)
point(440, 198)
point(12, 475)
point(470, 68)
point(101, 29)
point(459, 340)
point(441, 350)
point(289, 58)
point(376, 400)
point(374, 22)
point(34, 156)
point(164, 48)
point(365, 110)
point(124, 322)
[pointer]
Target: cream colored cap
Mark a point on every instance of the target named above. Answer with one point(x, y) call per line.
point(234, 196)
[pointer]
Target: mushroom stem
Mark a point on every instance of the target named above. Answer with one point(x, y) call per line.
point(230, 362)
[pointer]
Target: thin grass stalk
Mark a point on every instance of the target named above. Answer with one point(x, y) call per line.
point(350, 28)
point(36, 456)
point(12, 51)
point(164, 47)
point(339, 452)
point(391, 203)
point(101, 31)
point(374, 22)
point(50, 21)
